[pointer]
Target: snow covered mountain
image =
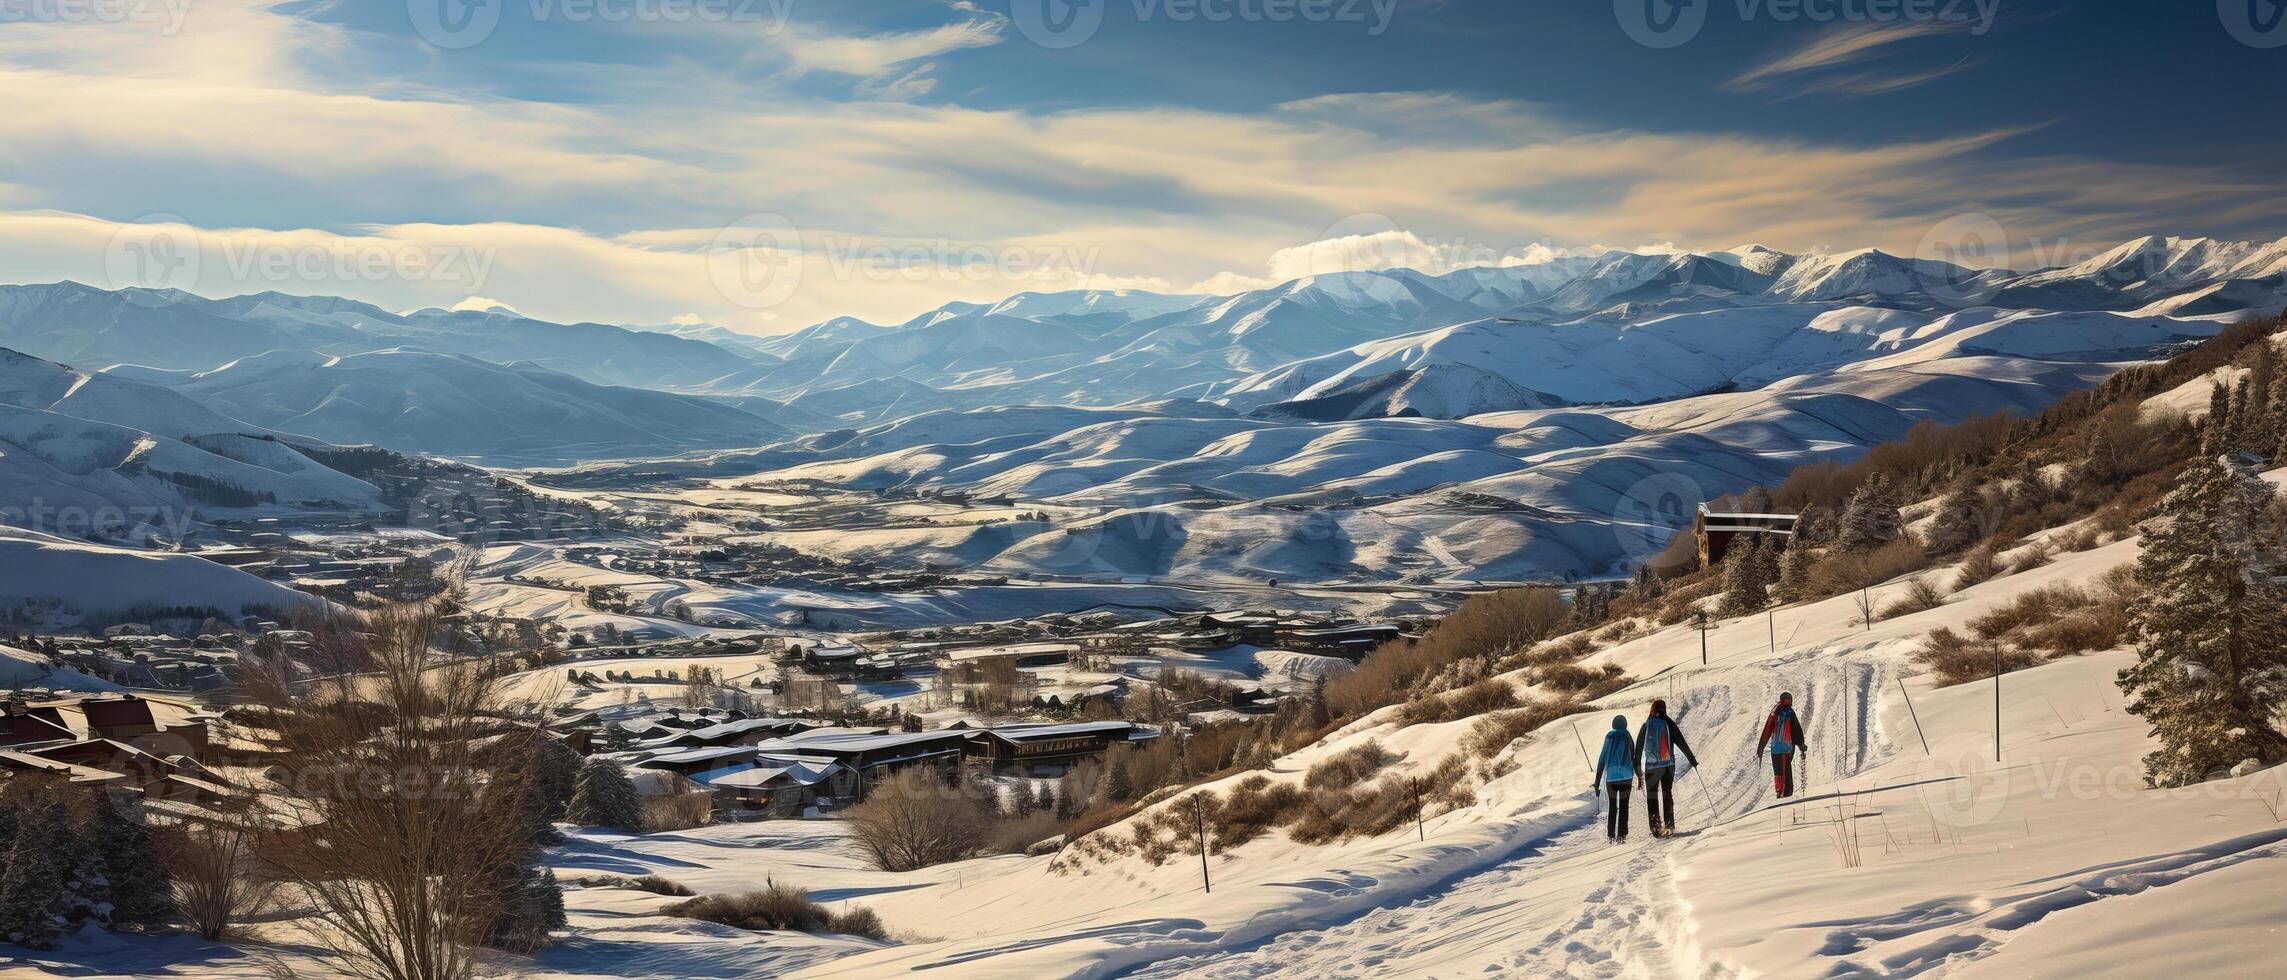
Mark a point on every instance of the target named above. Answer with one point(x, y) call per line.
point(79, 324)
point(456, 405)
point(133, 452)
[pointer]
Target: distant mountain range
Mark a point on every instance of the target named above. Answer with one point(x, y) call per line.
point(1483, 422)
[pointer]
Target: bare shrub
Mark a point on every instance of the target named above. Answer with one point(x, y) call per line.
point(1956, 659)
point(657, 886)
point(1981, 564)
point(1494, 732)
point(1918, 596)
point(1252, 809)
point(409, 844)
point(1017, 835)
point(1490, 625)
point(678, 811)
point(779, 907)
point(1843, 571)
point(1349, 766)
point(1573, 679)
point(215, 884)
point(1490, 694)
point(2031, 557)
point(912, 820)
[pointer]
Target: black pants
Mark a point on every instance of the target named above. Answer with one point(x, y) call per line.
point(1783, 773)
point(1660, 798)
point(1616, 813)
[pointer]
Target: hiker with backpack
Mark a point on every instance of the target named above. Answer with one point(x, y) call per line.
point(1783, 732)
point(1657, 743)
point(1616, 772)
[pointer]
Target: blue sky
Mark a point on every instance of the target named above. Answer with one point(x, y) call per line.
point(768, 163)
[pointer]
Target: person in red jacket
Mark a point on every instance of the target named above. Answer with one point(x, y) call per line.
point(1783, 732)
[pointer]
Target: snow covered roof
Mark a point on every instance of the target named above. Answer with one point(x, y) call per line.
point(798, 774)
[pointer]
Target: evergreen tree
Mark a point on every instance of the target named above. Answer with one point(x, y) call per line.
point(1957, 524)
point(602, 796)
point(38, 886)
point(1043, 798)
point(1871, 520)
point(1745, 589)
point(1316, 714)
point(1116, 785)
point(2215, 438)
point(1646, 587)
point(2211, 627)
point(555, 774)
point(136, 883)
point(1795, 572)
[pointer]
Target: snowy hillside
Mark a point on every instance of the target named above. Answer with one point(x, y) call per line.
point(99, 445)
point(455, 405)
point(92, 579)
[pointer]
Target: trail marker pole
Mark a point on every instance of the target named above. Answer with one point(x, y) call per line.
point(1997, 717)
point(1771, 619)
point(1199, 818)
point(1910, 713)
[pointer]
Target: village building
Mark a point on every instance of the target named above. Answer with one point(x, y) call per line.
point(1717, 532)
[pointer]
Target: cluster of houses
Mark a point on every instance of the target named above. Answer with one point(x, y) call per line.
point(777, 767)
point(150, 745)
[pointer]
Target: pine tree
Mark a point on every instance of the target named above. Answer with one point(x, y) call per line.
point(1795, 572)
point(2218, 431)
point(2211, 627)
point(1745, 589)
point(1116, 785)
point(555, 770)
point(1814, 524)
point(136, 883)
point(1043, 798)
point(38, 886)
point(602, 796)
point(1957, 524)
point(1871, 520)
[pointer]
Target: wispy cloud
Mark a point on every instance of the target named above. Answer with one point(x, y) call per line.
point(874, 56)
point(1843, 46)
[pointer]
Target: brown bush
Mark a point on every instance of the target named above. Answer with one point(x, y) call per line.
point(677, 811)
point(1843, 571)
point(1490, 694)
point(1981, 564)
point(1957, 659)
point(779, 907)
point(1573, 679)
point(657, 886)
point(1494, 732)
point(1917, 596)
point(1017, 834)
point(1490, 626)
point(1252, 809)
point(912, 820)
point(1349, 767)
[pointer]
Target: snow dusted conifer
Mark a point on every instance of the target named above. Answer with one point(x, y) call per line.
point(39, 884)
point(2211, 627)
point(1795, 572)
point(1746, 589)
point(1871, 520)
point(136, 884)
point(602, 796)
point(1957, 524)
point(2215, 437)
point(1117, 786)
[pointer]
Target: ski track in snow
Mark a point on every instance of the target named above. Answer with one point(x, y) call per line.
point(1633, 921)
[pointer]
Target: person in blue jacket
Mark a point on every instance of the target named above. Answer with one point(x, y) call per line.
point(1783, 732)
point(1656, 746)
point(1615, 772)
